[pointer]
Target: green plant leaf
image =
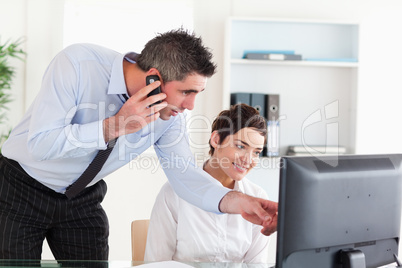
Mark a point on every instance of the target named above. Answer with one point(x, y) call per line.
point(7, 72)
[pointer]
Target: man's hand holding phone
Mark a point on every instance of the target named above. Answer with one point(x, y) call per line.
point(149, 80)
point(137, 112)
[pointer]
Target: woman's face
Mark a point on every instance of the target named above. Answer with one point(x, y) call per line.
point(238, 153)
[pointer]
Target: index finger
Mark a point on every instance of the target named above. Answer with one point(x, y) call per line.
point(143, 92)
point(258, 215)
point(267, 210)
point(270, 206)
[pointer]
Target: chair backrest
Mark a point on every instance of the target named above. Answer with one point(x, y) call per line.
point(139, 232)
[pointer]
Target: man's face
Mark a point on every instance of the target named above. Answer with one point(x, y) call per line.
point(181, 94)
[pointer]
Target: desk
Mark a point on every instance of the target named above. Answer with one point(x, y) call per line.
point(122, 264)
point(114, 264)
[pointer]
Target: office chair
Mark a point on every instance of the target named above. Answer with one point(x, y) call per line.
point(139, 232)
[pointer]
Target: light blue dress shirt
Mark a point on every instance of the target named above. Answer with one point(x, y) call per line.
point(62, 130)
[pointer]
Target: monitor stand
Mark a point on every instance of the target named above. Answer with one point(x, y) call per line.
point(398, 261)
point(352, 258)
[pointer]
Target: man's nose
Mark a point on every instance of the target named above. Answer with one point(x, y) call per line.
point(189, 103)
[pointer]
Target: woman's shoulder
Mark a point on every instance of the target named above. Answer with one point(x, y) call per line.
point(167, 190)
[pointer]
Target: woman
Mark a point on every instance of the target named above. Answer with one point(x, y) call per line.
point(182, 232)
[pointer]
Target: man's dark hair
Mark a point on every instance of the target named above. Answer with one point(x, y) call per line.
point(239, 116)
point(177, 54)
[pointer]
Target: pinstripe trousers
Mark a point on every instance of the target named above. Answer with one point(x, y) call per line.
point(75, 229)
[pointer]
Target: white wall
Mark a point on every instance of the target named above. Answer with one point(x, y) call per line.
point(44, 38)
point(380, 90)
point(133, 189)
point(14, 15)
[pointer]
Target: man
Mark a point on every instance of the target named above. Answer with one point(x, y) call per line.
point(91, 96)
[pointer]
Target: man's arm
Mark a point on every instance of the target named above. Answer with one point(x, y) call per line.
point(52, 135)
point(256, 210)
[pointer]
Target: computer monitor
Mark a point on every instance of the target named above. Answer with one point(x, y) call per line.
point(339, 211)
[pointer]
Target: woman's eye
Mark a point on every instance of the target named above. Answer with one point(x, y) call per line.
point(257, 153)
point(240, 146)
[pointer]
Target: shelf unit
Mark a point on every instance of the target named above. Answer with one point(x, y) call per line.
point(317, 97)
point(295, 63)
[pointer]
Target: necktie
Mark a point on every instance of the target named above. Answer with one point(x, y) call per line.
point(92, 170)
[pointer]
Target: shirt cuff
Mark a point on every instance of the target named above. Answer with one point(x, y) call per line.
point(101, 139)
point(91, 135)
point(213, 197)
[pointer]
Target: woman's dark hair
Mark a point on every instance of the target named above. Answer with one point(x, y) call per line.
point(239, 116)
point(177, 54)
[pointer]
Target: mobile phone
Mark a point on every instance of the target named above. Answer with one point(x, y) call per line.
point(150, 79)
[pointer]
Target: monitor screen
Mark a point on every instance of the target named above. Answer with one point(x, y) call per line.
point(335, 211)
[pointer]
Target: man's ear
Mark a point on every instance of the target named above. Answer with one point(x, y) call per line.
point(154, 71)
point(214, 141)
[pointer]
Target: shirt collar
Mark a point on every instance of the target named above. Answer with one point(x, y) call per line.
point(239, 186)
point(117, 84)
point(131, 57)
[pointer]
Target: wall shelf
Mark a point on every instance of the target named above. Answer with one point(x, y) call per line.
point(296, 63)
point(317, 98)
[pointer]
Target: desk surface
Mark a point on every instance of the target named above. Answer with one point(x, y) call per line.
point(122, 264)
point(125, 264)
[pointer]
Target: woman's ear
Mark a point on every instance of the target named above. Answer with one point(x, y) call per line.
point(214, 141)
